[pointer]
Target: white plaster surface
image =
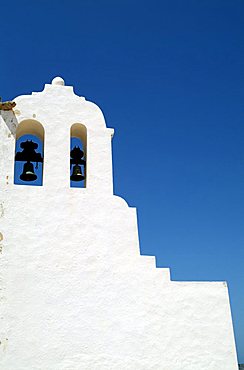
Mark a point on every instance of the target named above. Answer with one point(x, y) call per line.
point(74, 291)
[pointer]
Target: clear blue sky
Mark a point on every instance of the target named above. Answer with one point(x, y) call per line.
point(169, 77)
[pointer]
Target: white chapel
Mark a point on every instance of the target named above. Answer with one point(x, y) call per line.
point(75, 293)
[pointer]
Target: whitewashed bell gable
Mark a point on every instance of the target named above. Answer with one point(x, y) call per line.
point(75, 292)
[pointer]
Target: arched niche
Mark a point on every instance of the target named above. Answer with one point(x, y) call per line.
point(78, 139)
point(29, 153)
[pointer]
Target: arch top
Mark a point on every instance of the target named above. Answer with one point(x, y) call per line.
point(78, 130)
point(30, 126)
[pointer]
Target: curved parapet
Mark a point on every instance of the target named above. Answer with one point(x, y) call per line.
point(61, 99)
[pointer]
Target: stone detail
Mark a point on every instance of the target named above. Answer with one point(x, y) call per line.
point(8, 105)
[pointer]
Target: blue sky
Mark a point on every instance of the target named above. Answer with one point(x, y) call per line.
point(169, 77)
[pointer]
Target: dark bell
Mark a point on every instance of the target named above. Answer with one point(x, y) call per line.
point(77, 174)
point(28, 172)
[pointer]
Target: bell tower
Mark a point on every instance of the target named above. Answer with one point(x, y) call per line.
point(75, 292)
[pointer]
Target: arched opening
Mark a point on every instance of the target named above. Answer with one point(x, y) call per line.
point(78, 155)
point(29, 153)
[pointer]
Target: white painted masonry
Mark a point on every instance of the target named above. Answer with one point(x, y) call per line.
point(75, 293)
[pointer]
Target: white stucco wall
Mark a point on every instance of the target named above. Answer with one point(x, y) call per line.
point(74, 291)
